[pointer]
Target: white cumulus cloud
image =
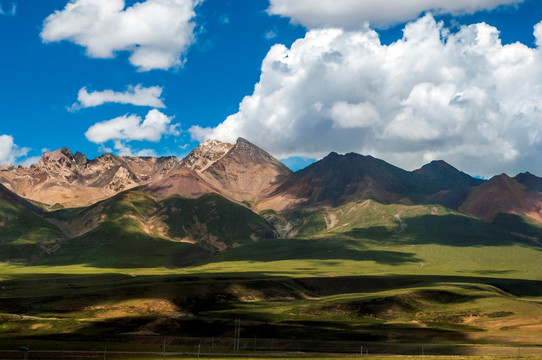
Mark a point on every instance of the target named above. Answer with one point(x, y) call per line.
point(463, 97)
point(9, 151)
point(156, 32)
point(133, 127)
point(379, 13)
point(135, 95)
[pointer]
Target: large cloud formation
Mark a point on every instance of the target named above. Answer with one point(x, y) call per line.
point(156, 32)
point(379, 13)
point(462, 97)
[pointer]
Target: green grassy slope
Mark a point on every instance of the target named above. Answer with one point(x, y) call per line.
point(24, 234)
point(135, 230)
point(419, 224)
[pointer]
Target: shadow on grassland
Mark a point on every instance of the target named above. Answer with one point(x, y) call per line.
point(313, 249)
point(53, 293)
point(142, 251)
point(458, 230)
point(207, 305)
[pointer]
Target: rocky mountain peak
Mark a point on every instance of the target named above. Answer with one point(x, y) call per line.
point(62, 178)
point(61, 155)
point(242, 170)
point(80, 159)
point(246, 151)
point(58, 164)
point(244, 143)
point(206, 154)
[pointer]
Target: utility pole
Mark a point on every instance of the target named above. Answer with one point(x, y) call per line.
point(105, 352)
point(234, 334)
point(238, 333)
point(164, 350)
point(199, 348)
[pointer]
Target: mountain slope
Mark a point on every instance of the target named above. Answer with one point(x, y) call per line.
point(445, 185)
point(245, 171)
point(417, 225)
point(24, 234)
point(240, 172)
point(133, 229)
point(185, 182)
point(339, 179)
point(530, 181)
point(503, 194)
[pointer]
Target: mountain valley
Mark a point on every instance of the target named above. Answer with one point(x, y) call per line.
point(350, 248)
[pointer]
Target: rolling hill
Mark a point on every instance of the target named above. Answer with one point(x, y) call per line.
point(24, 235)
point(134, 229)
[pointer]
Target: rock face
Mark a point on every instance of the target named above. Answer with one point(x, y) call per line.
point(205, 155)
point(66, 180)
point(240, 172)
point(245, 171)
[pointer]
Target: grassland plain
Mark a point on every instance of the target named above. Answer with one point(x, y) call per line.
point(393, 278)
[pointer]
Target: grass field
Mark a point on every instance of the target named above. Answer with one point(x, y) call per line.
point(392, 278)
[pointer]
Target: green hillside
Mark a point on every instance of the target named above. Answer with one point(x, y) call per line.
point(133, 230)
point(24, 235)
point(419, 224)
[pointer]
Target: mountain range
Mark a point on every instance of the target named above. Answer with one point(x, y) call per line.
point(222, 196)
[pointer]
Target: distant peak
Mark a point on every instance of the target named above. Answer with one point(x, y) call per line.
point(64, 151)
point(526, 175)
point(243, 145)
point(438, 166)
point(212, 142)
point(80, 158)
point(242, 142)
point(331, 156)
point(57, 155)
point(438, 163)
point(500, 178)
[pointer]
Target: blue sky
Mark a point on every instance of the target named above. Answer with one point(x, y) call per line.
point(207, 66)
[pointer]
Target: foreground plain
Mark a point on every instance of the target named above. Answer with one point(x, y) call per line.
point(392, 278)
